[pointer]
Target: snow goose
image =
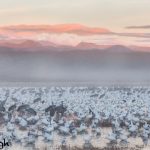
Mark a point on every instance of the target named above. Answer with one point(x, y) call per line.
point(45, 121)
point(30, 140)
point(23, 123)
point(32, 120)
point(64, 130)
point(123, 139)
point(82, 128)
point(48, 137)
point(112, 137)
point(145, 137)
point(10, 127)
point(98, 132)
point(74, 133)
point(63, 142)
point(133, 129)
point(87, 141)
point(49, 129)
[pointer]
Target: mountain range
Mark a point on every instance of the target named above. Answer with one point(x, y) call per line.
point(34, 46)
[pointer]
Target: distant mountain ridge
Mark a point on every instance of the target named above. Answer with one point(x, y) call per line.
point(86, 45)
point(30, 45)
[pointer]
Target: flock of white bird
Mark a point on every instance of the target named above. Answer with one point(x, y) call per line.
point(32, 113)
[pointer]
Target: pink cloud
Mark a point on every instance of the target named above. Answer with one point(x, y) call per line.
point(70, 34)
point(60, 28)
point(138, 27)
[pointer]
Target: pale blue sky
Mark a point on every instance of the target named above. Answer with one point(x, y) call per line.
point(111, 14)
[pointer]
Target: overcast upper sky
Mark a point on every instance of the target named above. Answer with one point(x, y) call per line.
point(112, 14)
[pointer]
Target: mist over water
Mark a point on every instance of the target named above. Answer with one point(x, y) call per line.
point(73, 66)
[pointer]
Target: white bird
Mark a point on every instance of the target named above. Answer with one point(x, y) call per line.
point(112, 137)
point(146, 126)
point(74, 133)
point(33, 120)
point(23, 123)
point(6, 118)
point(45, 121)
point(16, 137)
point(64, 130)
point(133, 129)
point(48, 128)
point(87, 139)
point(145, 137)
point(63, 141)
point(123, 139)
point(82, 128)
point(98, 131)
point(93, 126)
point(10, 127)
point(30, 139)
point(48, 137)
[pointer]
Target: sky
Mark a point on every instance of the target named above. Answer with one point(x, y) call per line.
point(128, 20)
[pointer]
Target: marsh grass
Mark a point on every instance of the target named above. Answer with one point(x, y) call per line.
point(93, 148)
